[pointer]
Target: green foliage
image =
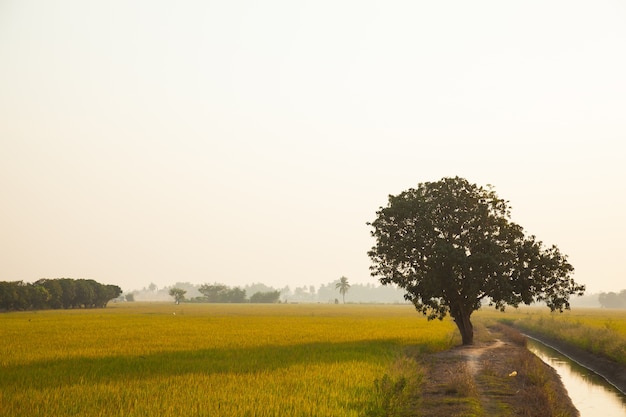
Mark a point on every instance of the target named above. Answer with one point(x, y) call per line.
point(56, 293)
point(451, 245)
point(343, 286)
point(397, 392)
point(220, 293)
point(178, 294)
point(265, 297)
point(391, 393)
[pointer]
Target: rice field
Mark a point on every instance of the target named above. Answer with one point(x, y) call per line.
point(134, 359)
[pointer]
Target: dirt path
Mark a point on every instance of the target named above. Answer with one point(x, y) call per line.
point(496, 377)
point(473, 354)
point(475, 358)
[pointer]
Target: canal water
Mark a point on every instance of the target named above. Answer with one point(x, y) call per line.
point(591, 394)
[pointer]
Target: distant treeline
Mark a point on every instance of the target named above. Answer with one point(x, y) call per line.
point(56, 294)
point(261, 293)
point(220, 293)
point(613, 299)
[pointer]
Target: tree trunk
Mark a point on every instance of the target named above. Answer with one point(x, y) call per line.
point(464, 324)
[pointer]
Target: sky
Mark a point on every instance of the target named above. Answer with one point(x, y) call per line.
point(251, 141)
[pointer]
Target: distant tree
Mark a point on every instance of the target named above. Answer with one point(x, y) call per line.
point(38, 296)
point(22, 302)
point(68, 291)
point(302, 294)
point(178, 294)
point(235, 295)
point(56, 293)
point(286, 293)
point(214, 293)
point(258, 287)
point(265, 297)
point(54, 290)
point(192, 289)
point(220, 293)
point(9, 295)
point(130, 297)
point(343, 287)
point(85, 294)
point(105, 293)
point(450, 244)
point(612, 299)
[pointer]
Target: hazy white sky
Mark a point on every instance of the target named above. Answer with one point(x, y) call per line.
point(250, 141)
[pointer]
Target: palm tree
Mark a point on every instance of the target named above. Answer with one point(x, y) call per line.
point(343, 287)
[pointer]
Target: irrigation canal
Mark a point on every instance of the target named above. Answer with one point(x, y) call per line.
point(592, 395)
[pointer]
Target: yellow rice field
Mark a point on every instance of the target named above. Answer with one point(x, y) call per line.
point(155, 359)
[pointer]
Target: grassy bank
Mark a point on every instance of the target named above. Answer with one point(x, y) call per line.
point(213, 360)
point(598, 331)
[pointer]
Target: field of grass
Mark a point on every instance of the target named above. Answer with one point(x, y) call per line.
point(211, 360)
point(600, 331)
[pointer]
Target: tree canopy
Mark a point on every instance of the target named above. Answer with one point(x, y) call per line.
point(220, 293)
point(265, 297)
point(178, 294)
point(56, 293)
point(452, 246)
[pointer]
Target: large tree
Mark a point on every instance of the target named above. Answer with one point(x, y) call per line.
point(452, 246)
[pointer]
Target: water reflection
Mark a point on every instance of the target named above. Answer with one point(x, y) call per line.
point(590, 393)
